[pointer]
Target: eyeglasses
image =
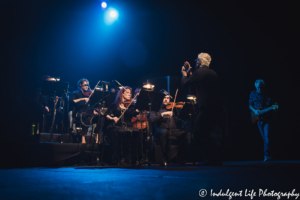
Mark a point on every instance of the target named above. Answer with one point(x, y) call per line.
point(85, 85)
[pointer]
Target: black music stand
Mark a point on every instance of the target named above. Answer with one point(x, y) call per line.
point(149, 101)
point(99, 100)
point(97, 96)
point(187, 114)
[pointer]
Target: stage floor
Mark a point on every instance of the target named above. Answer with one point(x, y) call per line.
point(152, 182)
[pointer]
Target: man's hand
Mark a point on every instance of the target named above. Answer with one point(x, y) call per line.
point(183, 72)
point(170, 113)
point(186, 64)
point(186, 67)
point(257, 112)
point(86, 99)
point(115, 119)
point(95, 112)
point(46, 107)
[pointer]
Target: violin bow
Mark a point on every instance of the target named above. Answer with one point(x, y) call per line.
point(121, 85)
point(93, 90)
point(174, 100)
point(129, 105)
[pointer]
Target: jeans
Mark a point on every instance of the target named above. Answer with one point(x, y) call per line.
point(264, 130)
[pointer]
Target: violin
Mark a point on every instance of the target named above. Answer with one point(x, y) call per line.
point(178, 105)
point(140, 121)
point(128, 103)
point(87, 93)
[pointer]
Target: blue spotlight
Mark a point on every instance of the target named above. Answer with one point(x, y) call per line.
point(110, 16)
point(113, 13)
point(103, 4)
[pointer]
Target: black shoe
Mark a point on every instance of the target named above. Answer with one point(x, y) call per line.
point(267, 158)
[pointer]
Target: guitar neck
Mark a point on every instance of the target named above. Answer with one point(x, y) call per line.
point(266, 110)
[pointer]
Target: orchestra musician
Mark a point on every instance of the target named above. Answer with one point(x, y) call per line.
point(209, 103)
point(165, 121)
point(81, 110)
point(121, 134)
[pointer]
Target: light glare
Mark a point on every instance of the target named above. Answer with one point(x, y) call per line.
point(103, 4)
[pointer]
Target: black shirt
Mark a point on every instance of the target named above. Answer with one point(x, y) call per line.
point(115, 111)
point(207, 87)
point(164, 122)
point(80, 106)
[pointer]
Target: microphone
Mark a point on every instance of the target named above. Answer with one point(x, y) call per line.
point(166, 93)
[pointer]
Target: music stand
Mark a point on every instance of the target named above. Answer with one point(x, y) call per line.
point(149, 101)
point(97, 96)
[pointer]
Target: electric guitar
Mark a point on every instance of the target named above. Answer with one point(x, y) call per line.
point(255, 118)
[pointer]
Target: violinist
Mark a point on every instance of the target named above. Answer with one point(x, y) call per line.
point(120, 131)
point(79, 100)
point(165, 121)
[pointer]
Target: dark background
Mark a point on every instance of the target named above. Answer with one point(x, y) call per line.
point(68, 39)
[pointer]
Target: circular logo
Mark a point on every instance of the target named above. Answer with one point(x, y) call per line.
point(202, 192)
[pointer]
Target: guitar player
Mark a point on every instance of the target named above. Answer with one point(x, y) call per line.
point(257, 102)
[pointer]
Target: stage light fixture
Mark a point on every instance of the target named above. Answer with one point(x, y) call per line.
point(110, 16)
point(148, 86)
point(99, 88)
point(192, 98)
point(113, 14)
point(54, 79)
point(104, 4)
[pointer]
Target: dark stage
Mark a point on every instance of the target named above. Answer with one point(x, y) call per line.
point(172, 182)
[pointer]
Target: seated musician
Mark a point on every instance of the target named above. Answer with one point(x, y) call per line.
point(165, 121)
point(122, 136)
point(79, 100)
